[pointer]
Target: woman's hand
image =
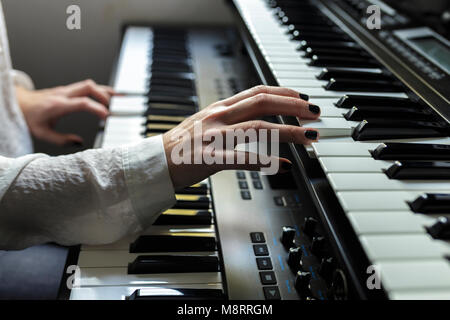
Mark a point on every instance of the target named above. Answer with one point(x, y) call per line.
point(228, 116)
point(43, 108)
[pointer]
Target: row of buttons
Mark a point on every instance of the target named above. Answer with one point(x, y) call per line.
point(243, 185)
point(264, 262)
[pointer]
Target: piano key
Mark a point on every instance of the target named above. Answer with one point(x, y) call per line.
point(431, 203)
point(186, 201)
point(330, 127)
point(349, 101)
point(124, 292)
point(389, 222)
point(184, 217)
point(318, 36)
point(317, 44)
point(411, 151)
point(196, 189)
point(177, 294)
point(377, 200)
point(403, 246)
point(378, 112)
point(340, 73)
point(333, 61)
point(440, 229)
point(344, 84)
point(322, 93)
point(190, 101)
point(380, 182)
point(173, 243)
point(377, 129)
point(414, 170)
point(353, 164)
point(128, 105)
point(91, 277)
point(415, 275)
point(165, 119)
point(148, 264)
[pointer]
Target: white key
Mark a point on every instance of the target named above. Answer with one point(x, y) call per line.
point(415, 275)
point(435, 294)
point(90, 277)
point(131, 76)
point(122, 131)
point(403, 246)
point(330, 127)
point(389, 222)
point(303, 83)
point(128, 105)
point(381, 182)
point(377, 200)
point(122, 292)
point(353, 164)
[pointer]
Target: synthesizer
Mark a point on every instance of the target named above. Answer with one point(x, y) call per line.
point(384, 147)
point(364, 212)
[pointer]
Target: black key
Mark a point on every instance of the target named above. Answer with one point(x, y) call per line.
point(363, 85)
point(327, 45)
point(188, 76)
point(319, 36)
point(173, 264)
point(187, 201)
point(440, 229)
point(174, 83)
point(309, 52)
point(411, 151)
point(313, 28)
point(184, 217)
point(350, 101)
point(172, 60)
point(190, 101)
point(164, 90)
point(431, 203)
point(199, 189)
point(329, 73)
point(407, 113)
point(170, 110)
point(353, 62)
point(305, 20)
point(176, 294)
point(159, 127)
point(409, 170)
point(398, 129)
point(167, 67)
point(173, 243)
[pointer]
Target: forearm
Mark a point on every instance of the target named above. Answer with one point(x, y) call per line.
point(93, 197)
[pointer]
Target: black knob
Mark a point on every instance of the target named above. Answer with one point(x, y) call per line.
point(440, 229)
point(309, 226)
point(326, 268)
point(295, 254)
point(287, 237)
point(302, 281)
point(318, 246)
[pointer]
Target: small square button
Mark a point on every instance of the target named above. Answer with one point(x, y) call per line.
point(243, 185)
point(264, 263)
point(240, 174)
point(268, 277)
point(254, 174)
point(257, 237)
point(272, 293)
point(246, 195)
point(257, 184)
point(260, 250)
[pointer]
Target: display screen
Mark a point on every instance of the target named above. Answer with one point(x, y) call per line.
point(434, 49)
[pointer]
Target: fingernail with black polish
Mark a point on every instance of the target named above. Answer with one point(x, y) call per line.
point(312, 135)
point(314, 109)
point(304, 96)
point(287, 166)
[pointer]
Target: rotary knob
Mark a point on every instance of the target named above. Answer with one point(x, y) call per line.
point(302, 281)
point(309, 226)
point(294, 257)
point(326, 269)
point(287, 237)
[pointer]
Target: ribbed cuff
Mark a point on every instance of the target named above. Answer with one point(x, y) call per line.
point(147, 175)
